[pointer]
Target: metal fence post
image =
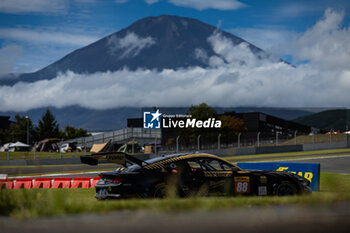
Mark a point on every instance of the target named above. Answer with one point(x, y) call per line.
point(155, 144)
point(239, 140)
point(313, 138)
point(295, 137)
point(177, 144)
point(198, 145)
point(276, 138)
point(219, 141)
point(27, 117)
point(8, 153)
point(132, 146)
point(84, 147)
point(258, 139)
point(60, 145)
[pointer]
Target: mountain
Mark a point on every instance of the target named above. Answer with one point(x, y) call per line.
point(153, 43)
point(90, 119)
point(336, 119)
point(157, 43)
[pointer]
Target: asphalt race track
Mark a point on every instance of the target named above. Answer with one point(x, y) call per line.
point(332, 164)
point(339, 164)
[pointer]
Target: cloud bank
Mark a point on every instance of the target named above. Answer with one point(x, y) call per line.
point(33, 6)
point(209, 4)
point(39, 6)
point(326, 44)
point(200, 4)
point(128, 46)
point(235, 78)
point(8, 56)
point(43, 37)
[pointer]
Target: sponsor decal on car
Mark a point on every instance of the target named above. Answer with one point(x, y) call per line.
point(116, 158)
point(263, 179)
point(217, 173)
point(242, 184)
point(262, 191)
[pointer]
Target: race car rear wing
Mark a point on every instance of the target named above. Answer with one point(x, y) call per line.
point(113, 157)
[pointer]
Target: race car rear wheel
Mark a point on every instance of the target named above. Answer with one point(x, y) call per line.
point(285, 189)
point(159, 190)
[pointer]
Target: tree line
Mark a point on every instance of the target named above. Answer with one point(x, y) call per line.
point(47, 128)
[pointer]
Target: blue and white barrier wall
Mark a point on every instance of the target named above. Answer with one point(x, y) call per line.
point(310, 171)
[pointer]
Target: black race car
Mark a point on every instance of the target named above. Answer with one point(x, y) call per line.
point(187, 175)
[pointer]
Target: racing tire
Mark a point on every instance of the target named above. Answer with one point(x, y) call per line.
point(285, 189)
point(159, 190)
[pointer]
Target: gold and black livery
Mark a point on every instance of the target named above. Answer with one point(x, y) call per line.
point(187, 175)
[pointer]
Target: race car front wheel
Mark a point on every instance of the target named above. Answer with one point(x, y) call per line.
point(285, 189)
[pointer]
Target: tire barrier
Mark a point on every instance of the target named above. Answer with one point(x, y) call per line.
point(61, 182)
point(81, 182)
point(42, 183)
point(23, 183)
point(45, 183)
point(94, 181)
point(6, 183)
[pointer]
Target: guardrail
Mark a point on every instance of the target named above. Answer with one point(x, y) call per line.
point(122, 136)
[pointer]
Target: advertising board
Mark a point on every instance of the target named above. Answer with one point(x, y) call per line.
point(310, 171)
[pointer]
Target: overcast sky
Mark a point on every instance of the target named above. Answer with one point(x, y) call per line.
point(312, 35)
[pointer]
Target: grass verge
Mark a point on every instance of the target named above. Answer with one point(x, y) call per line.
point(34, 203)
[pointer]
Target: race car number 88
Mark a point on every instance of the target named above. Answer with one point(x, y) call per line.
point(242, 184)
point(242, 187)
